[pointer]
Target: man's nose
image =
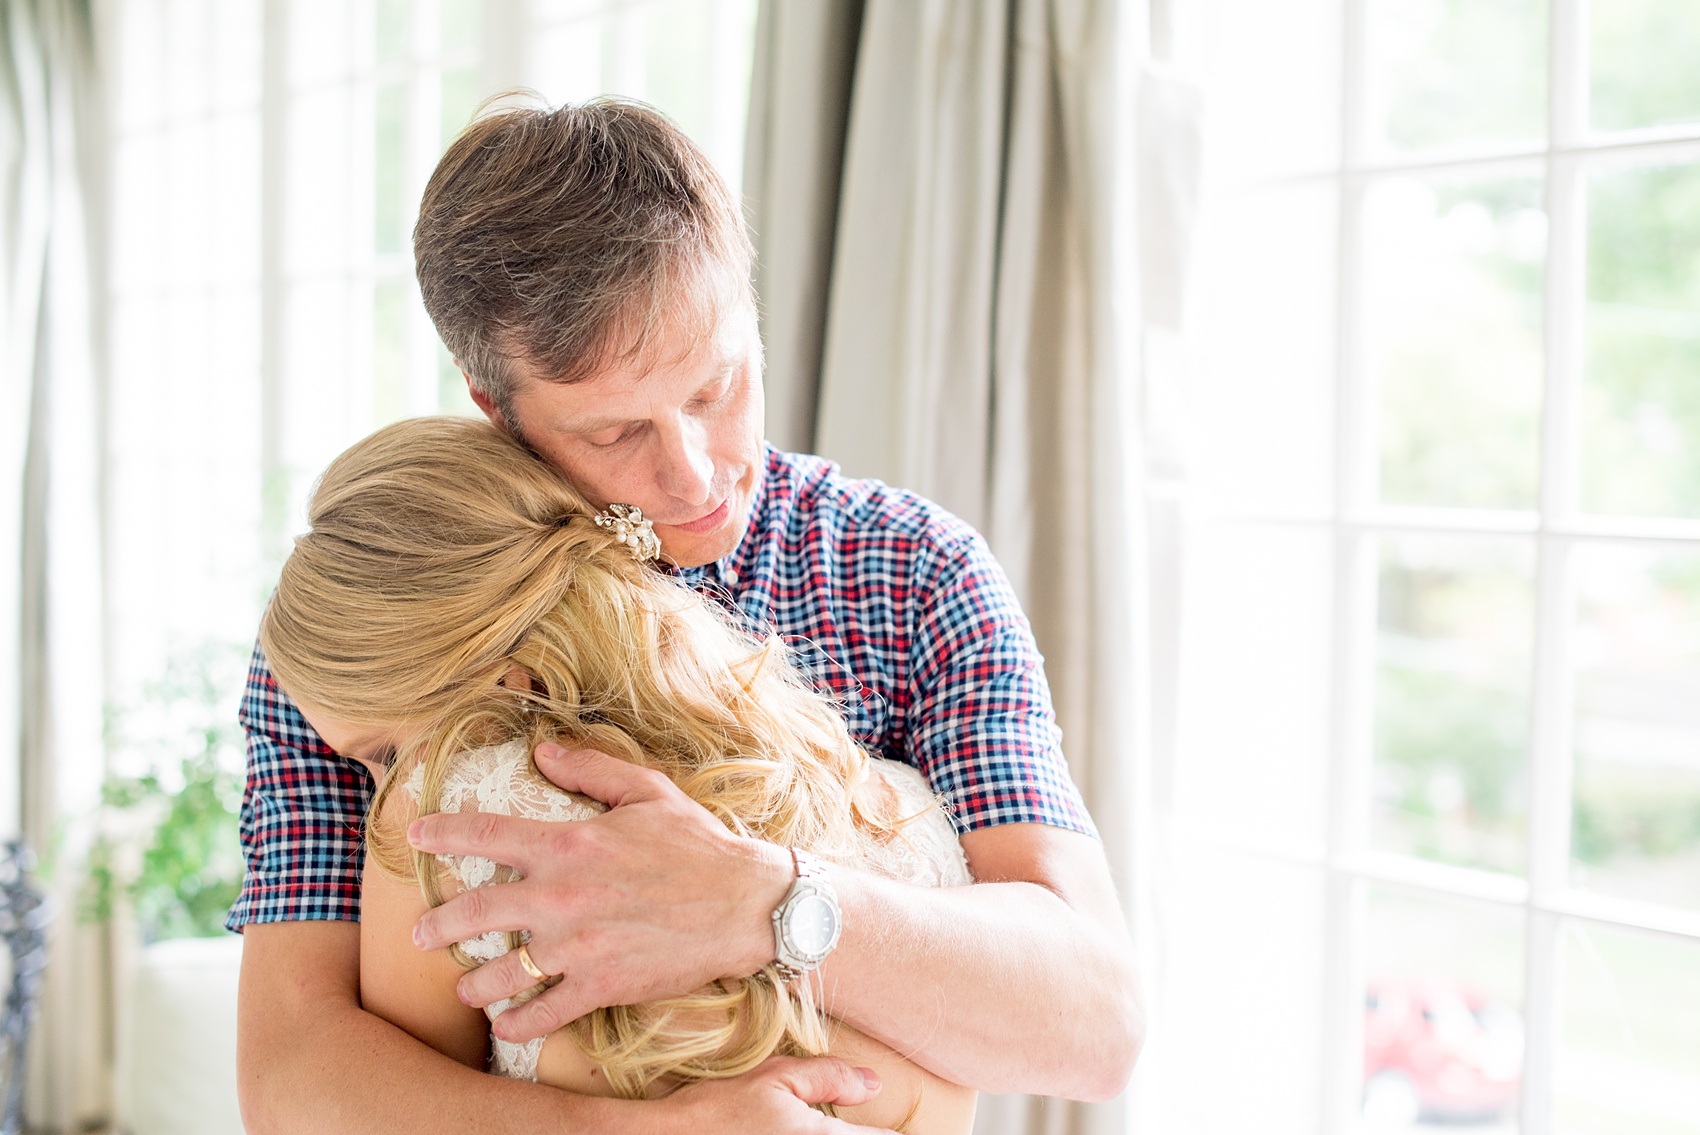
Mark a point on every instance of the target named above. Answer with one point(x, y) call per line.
point(687, 470)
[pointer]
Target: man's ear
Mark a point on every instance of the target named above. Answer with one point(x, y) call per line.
point(483, 401)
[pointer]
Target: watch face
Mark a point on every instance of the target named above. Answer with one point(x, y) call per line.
point(812, 925)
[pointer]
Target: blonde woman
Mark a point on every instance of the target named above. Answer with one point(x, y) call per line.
point(455, 605)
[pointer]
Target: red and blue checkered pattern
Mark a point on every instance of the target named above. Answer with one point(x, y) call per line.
point(889, 603)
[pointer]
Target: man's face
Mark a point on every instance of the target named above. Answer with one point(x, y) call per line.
point(677, 433)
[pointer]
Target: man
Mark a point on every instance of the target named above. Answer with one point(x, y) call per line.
point(591, 275)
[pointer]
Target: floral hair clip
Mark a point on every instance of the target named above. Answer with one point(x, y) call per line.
point(628, 525)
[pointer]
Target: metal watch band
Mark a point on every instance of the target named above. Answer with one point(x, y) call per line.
point(807, 866)
point(811, 882)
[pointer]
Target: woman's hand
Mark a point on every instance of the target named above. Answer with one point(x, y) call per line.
point(777, 1095)
point(654, 898)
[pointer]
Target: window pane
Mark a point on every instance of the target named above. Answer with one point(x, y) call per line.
point(233, 217)
point(1629, 1034)
point(689, 58)
point(1240, 1046)
point(461, 96)
point(1443, 1020)
point(235, 63)
point(389, 349)
point(554, 11)
point(1636, 826)
point(452, 395)
point(390, 211)
point(161, 493)
point(140, 35)
point(704, 91)
point(1643, 55)
point(1271, 75)
point(189, 54)
point(325, 39)
point(677, 72)
point(568, 61)
point(190, 204)
point(1456, 73)
point(460, 25)
point(327, 382)
point(1264, 400)
point(392, 31)
point(324, 221)
point(1453, 337)
point(1641, 396)
point(1452, 699)
point(1256, 631)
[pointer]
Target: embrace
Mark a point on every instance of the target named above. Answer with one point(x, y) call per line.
point(684, 783)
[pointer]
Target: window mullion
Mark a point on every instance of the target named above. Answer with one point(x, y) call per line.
point(1549, 734)
point(1540, 1016)
point(1549, 819)
point(1567, 73)
point(1564, 319)
point(1352, 639)
point(420, 149)
point(1348, 794)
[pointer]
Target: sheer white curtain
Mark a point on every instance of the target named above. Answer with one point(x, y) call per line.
point(51, 672)
point(974, 328)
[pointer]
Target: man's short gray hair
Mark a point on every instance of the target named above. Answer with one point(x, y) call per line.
point(566, 239)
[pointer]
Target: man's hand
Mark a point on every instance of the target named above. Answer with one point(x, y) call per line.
point(777, 1095)
point(654, 898)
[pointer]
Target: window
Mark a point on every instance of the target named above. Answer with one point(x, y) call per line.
point(268, 159)
point(1434, 817)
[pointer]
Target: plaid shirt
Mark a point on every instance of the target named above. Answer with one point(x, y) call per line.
point(889, 604)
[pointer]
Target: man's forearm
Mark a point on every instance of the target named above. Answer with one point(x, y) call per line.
point(1023, 982)
point(1002, 986)
point(309, 1059)
point(339, 1068)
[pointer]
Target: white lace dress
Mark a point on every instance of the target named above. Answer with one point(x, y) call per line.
point(502, 779)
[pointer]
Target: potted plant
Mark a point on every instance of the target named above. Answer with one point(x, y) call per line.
point(164, 866)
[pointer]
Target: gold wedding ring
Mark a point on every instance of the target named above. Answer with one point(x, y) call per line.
point(530, 966)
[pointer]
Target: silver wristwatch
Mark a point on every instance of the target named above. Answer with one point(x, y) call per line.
point(806, 924)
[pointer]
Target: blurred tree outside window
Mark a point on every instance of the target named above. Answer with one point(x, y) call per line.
point(166, 842)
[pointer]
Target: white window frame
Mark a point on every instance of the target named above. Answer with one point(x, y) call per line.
point(280, 432)
point(505, 56)
point(1544, 899)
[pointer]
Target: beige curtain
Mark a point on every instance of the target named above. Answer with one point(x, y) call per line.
point(805, 59)
point(51, 756)
point(975, 332)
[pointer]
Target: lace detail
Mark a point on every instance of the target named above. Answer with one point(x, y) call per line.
point(500, 779)
point(926, 851)
point(504, 780)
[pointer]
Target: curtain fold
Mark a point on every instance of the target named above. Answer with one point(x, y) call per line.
point(51, 458)
point(983, 345)
point(906, 372)
point(805, 56)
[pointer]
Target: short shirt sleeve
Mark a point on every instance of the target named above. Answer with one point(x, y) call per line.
point(302, 811)
point(982, 728)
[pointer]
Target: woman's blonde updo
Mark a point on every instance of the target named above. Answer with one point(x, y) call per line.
point(441, 555)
